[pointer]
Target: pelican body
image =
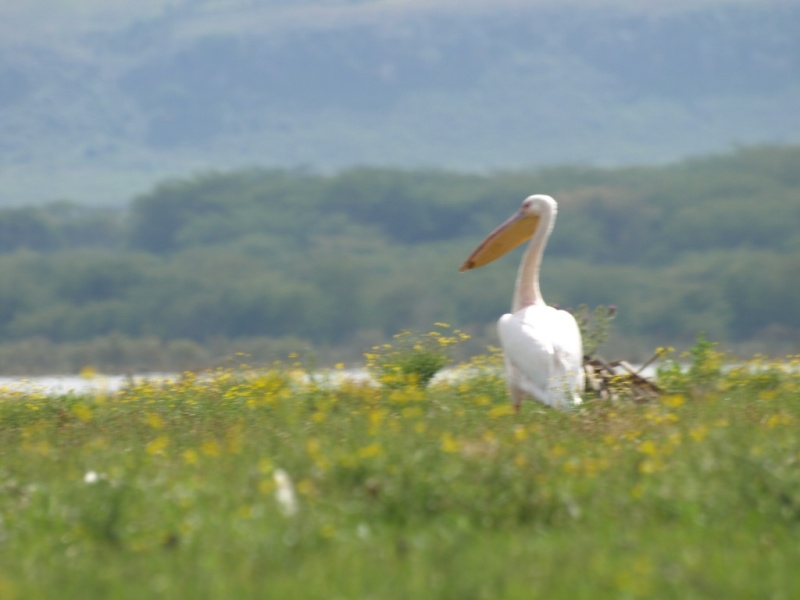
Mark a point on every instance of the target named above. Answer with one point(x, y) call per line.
point(542, 345)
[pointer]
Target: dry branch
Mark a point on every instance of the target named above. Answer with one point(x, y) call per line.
point(618, 379)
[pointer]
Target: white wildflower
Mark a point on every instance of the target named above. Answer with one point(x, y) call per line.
point(284, 493)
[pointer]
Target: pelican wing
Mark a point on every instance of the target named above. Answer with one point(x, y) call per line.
point(568, 349)
point(544, 354)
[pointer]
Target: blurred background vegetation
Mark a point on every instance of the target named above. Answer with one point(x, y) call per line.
point(271, 261)
point(387, 138)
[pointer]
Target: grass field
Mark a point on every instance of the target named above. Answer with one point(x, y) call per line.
point(262, 484)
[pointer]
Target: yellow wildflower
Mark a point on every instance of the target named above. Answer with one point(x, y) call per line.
point(648, 447)
point(501, 411)
point(42, 447)
point(611, 440)
point(190, 456)
point(158, 445)
point(699, 433)
point(449, 444)
point(778, 419)
point(305, 487)
point(673, 400)
point(154, 420)
point(482, 400)
point(82, 412)
point(371, 450)
point(375, 418)
point(87, 372)
point(649, 466)
point(411, 412)
point(210, 448)
point(234, 439)
point(312, 447)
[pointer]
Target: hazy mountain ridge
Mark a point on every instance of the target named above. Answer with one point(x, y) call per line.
point(105, 112)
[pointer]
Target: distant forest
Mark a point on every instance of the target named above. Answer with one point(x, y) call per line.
point(269, 261)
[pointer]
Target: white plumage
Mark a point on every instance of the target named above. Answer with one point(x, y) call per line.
point(543, 356)
point(542, 345)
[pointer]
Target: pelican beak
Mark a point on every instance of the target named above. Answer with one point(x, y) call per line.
point(515, 231)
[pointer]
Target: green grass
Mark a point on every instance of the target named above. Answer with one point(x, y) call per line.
point(403, 491)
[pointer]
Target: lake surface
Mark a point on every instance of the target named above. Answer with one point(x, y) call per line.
point(59, 385)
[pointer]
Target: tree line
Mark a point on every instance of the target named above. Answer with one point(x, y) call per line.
point(711, 245)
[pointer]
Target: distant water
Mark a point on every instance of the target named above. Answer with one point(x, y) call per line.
point(60, 385)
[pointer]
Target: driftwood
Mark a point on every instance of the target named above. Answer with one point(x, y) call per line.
point(613, 380)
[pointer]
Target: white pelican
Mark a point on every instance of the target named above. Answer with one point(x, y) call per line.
point(542, 345)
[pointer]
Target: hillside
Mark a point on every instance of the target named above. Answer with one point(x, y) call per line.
point(266, 261)
point(98, 103)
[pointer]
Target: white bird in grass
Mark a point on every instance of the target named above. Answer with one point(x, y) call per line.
point(542, 345)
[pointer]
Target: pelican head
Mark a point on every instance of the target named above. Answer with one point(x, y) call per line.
point(515, 231)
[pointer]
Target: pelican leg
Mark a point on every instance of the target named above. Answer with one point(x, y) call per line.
point(516, 397)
